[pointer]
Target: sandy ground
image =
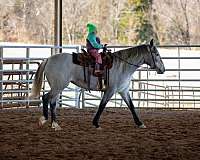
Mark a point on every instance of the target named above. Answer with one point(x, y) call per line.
point(170, 135)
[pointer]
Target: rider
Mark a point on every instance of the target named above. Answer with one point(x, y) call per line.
point(93, 44)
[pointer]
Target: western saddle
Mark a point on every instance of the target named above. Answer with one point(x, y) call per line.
point(88, 62)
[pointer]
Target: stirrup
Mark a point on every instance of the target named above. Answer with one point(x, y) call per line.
point(103, 85)
point(97, 71)
point(99, 87)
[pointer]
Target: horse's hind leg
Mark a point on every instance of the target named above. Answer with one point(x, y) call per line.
point(53, 104)
point(45, 101)
point(54, 124)
point(52, 98)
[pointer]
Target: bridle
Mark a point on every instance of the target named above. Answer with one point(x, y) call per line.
point(137, 65)
point(149, 49)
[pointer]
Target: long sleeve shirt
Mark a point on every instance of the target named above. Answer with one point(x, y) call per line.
point(94, 42)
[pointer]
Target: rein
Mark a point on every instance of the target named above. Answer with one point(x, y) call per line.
point(152, 57)
point(132, 64)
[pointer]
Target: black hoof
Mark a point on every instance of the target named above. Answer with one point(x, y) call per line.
point(95, 124)
point(139, 123)
point(142, 126)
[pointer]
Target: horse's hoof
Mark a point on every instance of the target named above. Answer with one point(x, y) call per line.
point(41, 121)
point(142, 126)
point(99, 128)
point(96, 124)
point(56, 126)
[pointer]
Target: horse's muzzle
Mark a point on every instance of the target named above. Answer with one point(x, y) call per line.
point(160, 71)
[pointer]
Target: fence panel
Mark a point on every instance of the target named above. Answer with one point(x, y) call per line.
point(17, 66)
point(178, 88)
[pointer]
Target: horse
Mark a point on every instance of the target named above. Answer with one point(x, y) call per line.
point(60, 71)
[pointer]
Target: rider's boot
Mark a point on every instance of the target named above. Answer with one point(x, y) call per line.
point(97, 69)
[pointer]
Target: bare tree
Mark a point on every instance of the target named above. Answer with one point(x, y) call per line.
point(74, 17)
point(176, 20)
point(116, 9)
point(186, 32)
point(39, 20)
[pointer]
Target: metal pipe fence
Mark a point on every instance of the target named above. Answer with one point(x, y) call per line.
point(149, 90)
point(178, 88)
point(17, 66)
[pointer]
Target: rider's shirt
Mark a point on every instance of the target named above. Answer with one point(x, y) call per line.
point(93, 42)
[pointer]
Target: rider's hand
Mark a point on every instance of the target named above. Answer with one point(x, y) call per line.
point(105, 47)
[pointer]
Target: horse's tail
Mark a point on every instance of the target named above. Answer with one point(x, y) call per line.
point(37, 83)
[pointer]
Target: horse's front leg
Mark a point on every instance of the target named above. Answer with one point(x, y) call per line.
point(126, 97)
point(106, 97)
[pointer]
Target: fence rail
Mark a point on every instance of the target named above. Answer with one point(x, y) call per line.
point(177, 88)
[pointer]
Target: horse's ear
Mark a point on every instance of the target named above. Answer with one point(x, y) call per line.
point(151, 42)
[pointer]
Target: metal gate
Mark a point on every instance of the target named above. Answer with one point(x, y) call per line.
point(178, 88)
point(17, 66)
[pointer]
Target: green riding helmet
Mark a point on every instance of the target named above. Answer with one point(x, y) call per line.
point(91, 27)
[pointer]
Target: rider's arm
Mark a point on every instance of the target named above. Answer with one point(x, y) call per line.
point(93, 42)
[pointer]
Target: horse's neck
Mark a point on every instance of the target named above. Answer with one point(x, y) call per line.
point(123, 69)
point(130, 58)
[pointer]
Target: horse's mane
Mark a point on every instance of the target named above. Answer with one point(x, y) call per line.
point(130, 55)
point(132, 51)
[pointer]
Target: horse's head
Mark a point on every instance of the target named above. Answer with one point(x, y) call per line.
point(153, 58)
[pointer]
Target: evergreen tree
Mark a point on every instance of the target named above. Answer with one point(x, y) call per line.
point(135, 22)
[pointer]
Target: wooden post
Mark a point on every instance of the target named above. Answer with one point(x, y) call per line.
point(58, 31)
point(58, 25)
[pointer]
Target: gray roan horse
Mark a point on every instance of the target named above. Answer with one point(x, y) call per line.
point(60, 71)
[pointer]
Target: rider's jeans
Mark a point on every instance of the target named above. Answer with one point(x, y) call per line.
point(96, 55)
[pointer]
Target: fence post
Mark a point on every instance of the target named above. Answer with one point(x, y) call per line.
point(1, 76)
point(139, 87)
point(27, 75)
point(58, 25)
point(83, 98)
point(77, 89)
point(147, 86)
point(179, 78)
point(52, 51)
